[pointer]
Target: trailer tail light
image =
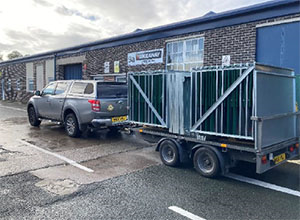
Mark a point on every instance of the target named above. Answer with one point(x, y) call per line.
point(95, 105)
point(297, 145)
point(291, 148)
point(264, 160)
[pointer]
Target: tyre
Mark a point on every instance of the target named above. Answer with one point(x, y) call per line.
point(33, 119)
point(72, 126)
point(169, 154)
point(206, 162)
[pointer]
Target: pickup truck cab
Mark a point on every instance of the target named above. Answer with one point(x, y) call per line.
point(80, 105)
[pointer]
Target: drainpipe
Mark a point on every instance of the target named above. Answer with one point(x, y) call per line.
point(54, 67)
point(2, 87)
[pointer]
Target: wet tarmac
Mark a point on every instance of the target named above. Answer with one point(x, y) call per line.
point(43, 173)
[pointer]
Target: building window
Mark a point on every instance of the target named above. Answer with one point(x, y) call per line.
point(8, 85)
point(18, 87)
point(30, 85)
point(186, 54)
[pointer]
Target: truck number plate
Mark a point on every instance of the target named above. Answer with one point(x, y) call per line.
point(119, 119)
point(279, 158)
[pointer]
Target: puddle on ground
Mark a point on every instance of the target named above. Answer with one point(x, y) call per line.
point(58, 187)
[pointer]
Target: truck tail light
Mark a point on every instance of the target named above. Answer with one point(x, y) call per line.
point(264, 159)
point(291, 148)
point(95, 104)
point(297, 145)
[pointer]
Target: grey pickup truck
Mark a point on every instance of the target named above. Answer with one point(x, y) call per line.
point(80, 105)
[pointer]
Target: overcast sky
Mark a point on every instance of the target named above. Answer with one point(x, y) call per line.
point(33, 26)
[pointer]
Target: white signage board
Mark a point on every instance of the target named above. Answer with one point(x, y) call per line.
point(106, 67)
point(145, 57)
point(226, 60)
point(117, 66)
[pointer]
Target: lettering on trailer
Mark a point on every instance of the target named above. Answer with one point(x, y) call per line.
point(145, 57)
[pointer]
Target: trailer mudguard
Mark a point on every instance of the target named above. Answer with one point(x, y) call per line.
point(183, 154)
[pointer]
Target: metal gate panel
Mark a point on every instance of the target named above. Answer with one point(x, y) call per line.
point(275, 106)
point(157, 99)
point(147, 98)
point(221, 101)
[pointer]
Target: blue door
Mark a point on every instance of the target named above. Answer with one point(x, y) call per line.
point(279, 45)
point(73, 71)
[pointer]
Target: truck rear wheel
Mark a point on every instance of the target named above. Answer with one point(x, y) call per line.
point(206, 162)
point(169, 154)
point(71, 125)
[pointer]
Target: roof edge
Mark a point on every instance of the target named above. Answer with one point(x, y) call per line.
point(204, 19)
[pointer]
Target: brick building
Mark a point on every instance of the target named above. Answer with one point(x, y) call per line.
point(267, 33)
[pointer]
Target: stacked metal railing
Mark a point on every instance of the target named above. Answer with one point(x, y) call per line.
point(210, 100)
point(232, 115)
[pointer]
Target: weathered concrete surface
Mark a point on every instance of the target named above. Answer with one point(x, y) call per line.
point(127, 183)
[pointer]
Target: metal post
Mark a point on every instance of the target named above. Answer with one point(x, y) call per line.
point(196, 97)
point(240, 106)
point(200, 98)
point(148, 94)
point(246, 109)
point(151, 100)
point(217, 85)
point(222, 106)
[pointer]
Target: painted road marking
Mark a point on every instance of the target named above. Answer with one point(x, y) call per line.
point(13, 108)
point(71, 162)
point(263, 184)
point(185, 213)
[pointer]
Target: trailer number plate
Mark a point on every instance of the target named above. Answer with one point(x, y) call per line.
point(119, 119)
point(279, 158)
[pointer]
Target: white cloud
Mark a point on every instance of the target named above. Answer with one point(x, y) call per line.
point(33, 26)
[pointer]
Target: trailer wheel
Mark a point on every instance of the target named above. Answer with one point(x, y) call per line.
point(169, 154)
point(206, 162)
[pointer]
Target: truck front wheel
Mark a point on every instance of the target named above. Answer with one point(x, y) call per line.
point(33, 119)
point(169, 154)
point(71, 125)
point(206, 162)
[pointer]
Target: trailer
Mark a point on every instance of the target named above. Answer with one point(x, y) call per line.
point(217, 116)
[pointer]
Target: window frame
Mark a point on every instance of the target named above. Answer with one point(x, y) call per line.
point(184, 53)
point(83, 94)
point(57, 83)
point(52, 83)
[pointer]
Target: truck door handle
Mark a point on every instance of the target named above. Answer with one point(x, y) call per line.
point(60, 100)
point(120, 102)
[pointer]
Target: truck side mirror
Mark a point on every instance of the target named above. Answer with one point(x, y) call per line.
point(37, 93)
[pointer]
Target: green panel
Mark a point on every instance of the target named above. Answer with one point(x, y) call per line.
point(153, 90)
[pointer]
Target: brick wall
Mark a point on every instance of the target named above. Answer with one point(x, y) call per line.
point(238, 41)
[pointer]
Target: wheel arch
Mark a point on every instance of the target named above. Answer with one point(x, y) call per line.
point(71, 110)
point(31, 104)
point(183, 156)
